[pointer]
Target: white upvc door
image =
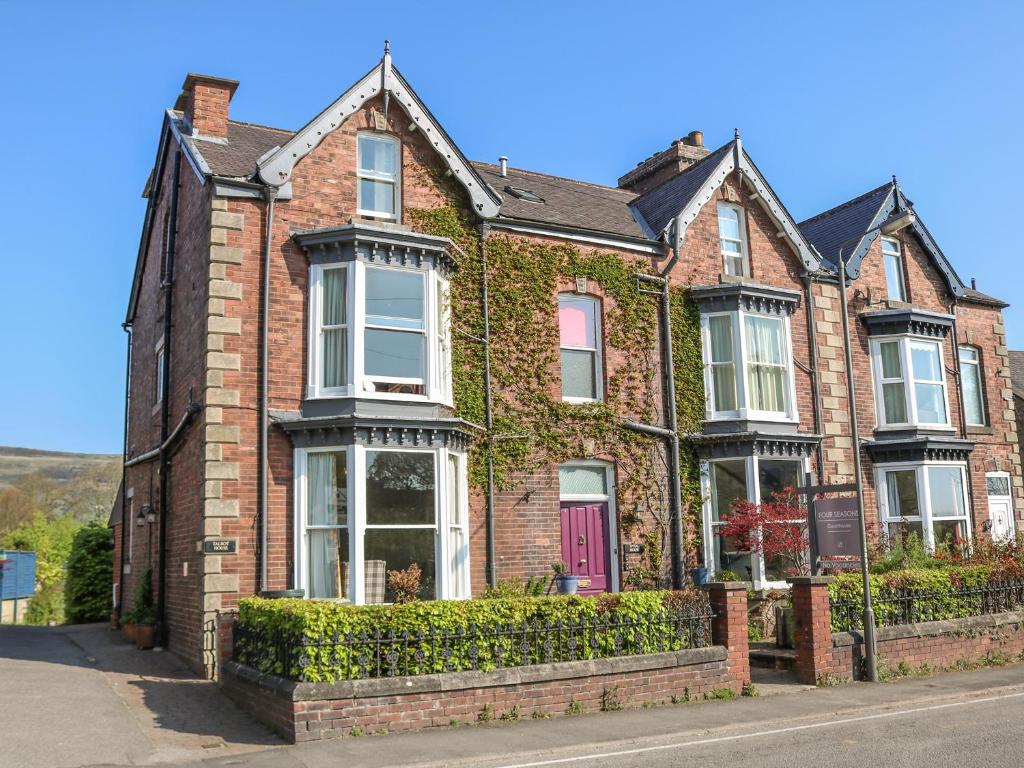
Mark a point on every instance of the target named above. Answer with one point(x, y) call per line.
point(1000, 505)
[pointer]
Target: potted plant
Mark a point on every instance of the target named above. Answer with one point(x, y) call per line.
point(128, 626)
point(565, 582)
point(143, 612)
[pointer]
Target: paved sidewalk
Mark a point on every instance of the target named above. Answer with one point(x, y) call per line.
point(588, 739)
point(80, 696)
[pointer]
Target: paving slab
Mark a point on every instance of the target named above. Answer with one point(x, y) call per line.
point(80, 696)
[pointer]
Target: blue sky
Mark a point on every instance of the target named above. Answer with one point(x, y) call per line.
point(831, 99)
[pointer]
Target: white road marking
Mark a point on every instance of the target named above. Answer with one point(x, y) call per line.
point(757, 734)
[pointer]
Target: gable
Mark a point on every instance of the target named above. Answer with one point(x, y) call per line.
point(847, 229)
point(675, 204)
point(276, 167)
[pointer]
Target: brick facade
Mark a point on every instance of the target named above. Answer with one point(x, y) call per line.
point(214, 360)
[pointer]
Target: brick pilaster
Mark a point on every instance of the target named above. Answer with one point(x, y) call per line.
point(729, 627)
point(812, 632)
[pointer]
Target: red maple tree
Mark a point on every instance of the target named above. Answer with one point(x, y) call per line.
point(775, 529)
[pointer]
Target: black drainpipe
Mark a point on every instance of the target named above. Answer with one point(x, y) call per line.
point(127, 328)
point(812, 338)
point(492, 564)
point(165, 407)
point(962, 409)
point(270, 195)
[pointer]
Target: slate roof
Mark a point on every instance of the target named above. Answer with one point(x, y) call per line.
point(977, 297)
point(842, 225)
point(246, 142)
point(567, 203)
point(660, 205)
point(1017, 372)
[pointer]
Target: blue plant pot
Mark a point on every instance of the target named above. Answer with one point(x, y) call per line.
point(567, 584)
point(699, 576)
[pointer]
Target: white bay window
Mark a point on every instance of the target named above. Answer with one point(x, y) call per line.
point(748, 366)
point(365, 511)
point(910, 382)
point(379, 331)
point(926, 500)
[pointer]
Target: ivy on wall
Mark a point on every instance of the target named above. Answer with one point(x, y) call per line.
point(533, 427)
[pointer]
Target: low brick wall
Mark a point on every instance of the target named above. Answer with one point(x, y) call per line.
point(826, 656)
point(937, 644)
point(312, 711)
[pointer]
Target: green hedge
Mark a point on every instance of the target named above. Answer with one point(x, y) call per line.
point(311, 630)
point(87, 587)
point(945, 599)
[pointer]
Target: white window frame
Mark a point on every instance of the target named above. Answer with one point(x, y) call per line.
point(449, 586)
point(744, 247)
point(596, 498)
point(898, 256)
point(909, 379)
point(923, 498)
point(757, 563)
point(437, 385)
point(598, 341)
point(160, 362)
point(741, 364)
point(395, 182)
point(976, 364)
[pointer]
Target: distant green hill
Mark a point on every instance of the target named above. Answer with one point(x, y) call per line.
point(56, 483)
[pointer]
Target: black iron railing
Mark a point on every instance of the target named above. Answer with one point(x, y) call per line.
point(369, 654)
point(910, 606)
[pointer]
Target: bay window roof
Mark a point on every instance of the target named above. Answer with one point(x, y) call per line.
point(907, 322)
point(389, 244)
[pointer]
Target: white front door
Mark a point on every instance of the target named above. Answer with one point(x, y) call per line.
point(1000, 505)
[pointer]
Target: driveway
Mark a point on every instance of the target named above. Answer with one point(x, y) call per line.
point(79, 696)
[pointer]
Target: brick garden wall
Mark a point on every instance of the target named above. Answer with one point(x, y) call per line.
point(312, 711)
point(824, 656)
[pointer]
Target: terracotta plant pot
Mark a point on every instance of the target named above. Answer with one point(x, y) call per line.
point(128, 632)
point(145, 636)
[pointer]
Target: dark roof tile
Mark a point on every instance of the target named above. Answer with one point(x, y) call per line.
point(567, 203)
point(660, 205)
point(842, 225)
point(246, 143)
point(1017, 372)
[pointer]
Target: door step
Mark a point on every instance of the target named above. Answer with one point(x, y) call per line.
point(769, 656)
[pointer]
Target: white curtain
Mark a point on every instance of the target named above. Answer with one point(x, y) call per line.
point(766, 369)
point(321, 510)
point(723, 367)
point(334, 340)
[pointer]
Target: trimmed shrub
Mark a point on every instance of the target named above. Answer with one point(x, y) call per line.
point(944, 598)
point(330, 641)
point(87, 588)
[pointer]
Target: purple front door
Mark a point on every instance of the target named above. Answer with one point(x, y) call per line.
point(585, 544)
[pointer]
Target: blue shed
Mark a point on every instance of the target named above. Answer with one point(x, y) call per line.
point(17, 575)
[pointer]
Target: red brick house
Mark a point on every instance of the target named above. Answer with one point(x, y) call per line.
point(331, 379)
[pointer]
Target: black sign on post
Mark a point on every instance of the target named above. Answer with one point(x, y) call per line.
point(837, 527)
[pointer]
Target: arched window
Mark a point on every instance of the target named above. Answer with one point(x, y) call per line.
point(579, 327)
point(733, 238)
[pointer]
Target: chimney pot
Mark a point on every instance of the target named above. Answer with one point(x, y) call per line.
point(695, 138)
point(503, 162)
point(974, 284)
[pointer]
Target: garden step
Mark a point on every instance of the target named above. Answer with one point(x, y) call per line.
point(768, 656)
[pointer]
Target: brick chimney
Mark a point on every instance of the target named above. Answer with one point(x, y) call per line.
point(204, 100)
point(670, 162)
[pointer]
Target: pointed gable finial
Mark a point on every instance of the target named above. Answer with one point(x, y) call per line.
point(385, 76)
point(736, 133)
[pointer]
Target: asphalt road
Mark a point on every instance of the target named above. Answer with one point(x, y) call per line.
point(962, 719)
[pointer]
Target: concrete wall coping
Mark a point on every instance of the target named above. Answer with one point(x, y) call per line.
point(930, 628)
point(813, 581)
point(454, 681)
point(728, 586)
